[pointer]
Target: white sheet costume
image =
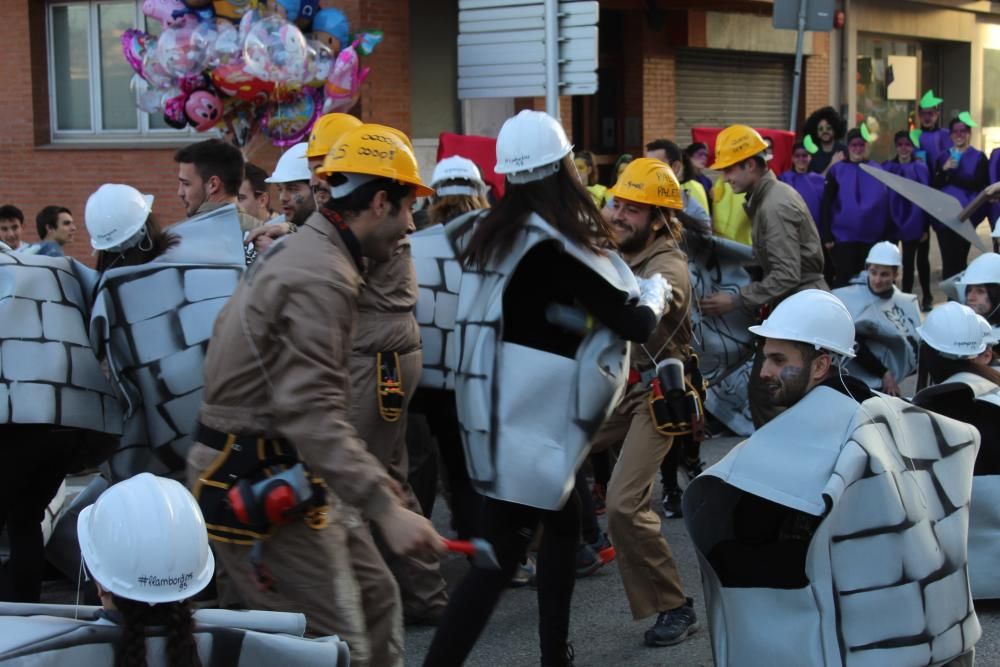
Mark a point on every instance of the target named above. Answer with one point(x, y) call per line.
point(888, 486)
point(888, 326)
point(152, 322)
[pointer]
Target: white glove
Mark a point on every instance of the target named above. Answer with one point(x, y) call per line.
point(654, 293)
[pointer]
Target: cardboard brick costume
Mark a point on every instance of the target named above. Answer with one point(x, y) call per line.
point(886, 487)
point(153, 322)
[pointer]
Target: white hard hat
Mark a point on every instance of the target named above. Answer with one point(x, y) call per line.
point(292, 166)
point(953, 330)
point(457, 168)
point(983, 270)
point(991, 334)
point(811, 316)
point(145, 540)
point(884, 253)
point(530, 147)
point(115, 215)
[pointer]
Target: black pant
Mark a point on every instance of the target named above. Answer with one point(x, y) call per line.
point(918, 252)
point(35, 464)
point(438, 406)
point(848, 260)
point(590, 530)
point(510, 528)
point(954, 252)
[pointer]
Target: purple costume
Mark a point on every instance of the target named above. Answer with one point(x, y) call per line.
point(910, 220)
point(965, 181)
point(855, 206)
point(994, 175)
point(810, 187)
point(933, 143)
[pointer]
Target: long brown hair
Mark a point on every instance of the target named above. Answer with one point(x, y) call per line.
point(449, 207)
point(939, 368)
point(145, 251)
point(559, 199)
point(137, 619)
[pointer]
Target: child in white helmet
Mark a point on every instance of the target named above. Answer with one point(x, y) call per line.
point(145, 545)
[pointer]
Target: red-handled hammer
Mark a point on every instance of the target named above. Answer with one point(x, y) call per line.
point(479, 550)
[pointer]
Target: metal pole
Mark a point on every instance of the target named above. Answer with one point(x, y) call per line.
point(797, 81)
point(552, 58)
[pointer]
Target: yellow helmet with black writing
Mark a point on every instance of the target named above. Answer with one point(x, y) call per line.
point(649, 181)
point(735, 144)
point(327, 130)
point(375, 150)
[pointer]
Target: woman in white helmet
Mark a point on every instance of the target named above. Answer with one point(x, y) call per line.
point(145, 545)
point(980, 287)
point(539, 298)
point(122, 228)
point(458, 188)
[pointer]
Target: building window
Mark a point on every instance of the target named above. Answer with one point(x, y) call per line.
point(90, 92)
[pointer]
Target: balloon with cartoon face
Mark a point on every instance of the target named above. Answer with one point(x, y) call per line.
point(203, 110)
point(330, 28)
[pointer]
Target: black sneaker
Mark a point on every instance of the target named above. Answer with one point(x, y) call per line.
point(672, 504)
point(926, 306)
point(693, 468)
point(564, 661)
point(674, 626)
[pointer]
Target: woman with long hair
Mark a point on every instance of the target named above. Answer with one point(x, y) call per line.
point(587, 168)
point(698, 153)
point(458, 189)
point(541, 299)
point(145, 545)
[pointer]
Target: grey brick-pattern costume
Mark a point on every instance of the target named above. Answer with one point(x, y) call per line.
point(888, 326)
point(48, 371)
point(532, 459)
point(984, 515)
point(439, 275)
point(887, 570)
point(723, 343)
point(153, 323)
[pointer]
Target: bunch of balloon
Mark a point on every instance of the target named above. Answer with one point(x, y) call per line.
point(248, 67)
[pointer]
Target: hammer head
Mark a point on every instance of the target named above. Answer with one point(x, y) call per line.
point(483, 556)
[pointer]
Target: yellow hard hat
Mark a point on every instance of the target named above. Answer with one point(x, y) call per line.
point(375, 150)
point(327, 130)
point(649, 181)
point(735, 144)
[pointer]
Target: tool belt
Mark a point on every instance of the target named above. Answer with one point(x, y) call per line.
point(249, 459)
point(389, 388)
point(676, 398)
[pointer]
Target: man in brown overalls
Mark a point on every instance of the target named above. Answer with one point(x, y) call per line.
point(644, 197)
point(278, 397)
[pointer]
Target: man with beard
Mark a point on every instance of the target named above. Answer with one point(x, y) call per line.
point(646, 199)
point(209, 175)
point(292, 177)
point(885, 319)
point(786, 242)
point(276, 416)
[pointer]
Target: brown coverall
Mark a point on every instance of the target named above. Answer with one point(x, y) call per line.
point(386, 324)
point(787, 247)
point(647, 566)
point(278, 367)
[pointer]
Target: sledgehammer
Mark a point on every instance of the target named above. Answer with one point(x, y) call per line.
point(479, 550)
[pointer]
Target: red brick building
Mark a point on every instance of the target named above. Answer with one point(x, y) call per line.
point(664, 67)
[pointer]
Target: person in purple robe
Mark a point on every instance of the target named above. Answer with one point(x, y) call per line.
point(934, 139)
point(993, 171)
point(826, 128)
point(698, 152)
point(854, 211)
point(809, 185)
point(962, 172)
point(910, 222)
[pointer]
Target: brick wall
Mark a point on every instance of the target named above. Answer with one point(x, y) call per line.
point(816, 78)
point(35, 173)
point(658, 85)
